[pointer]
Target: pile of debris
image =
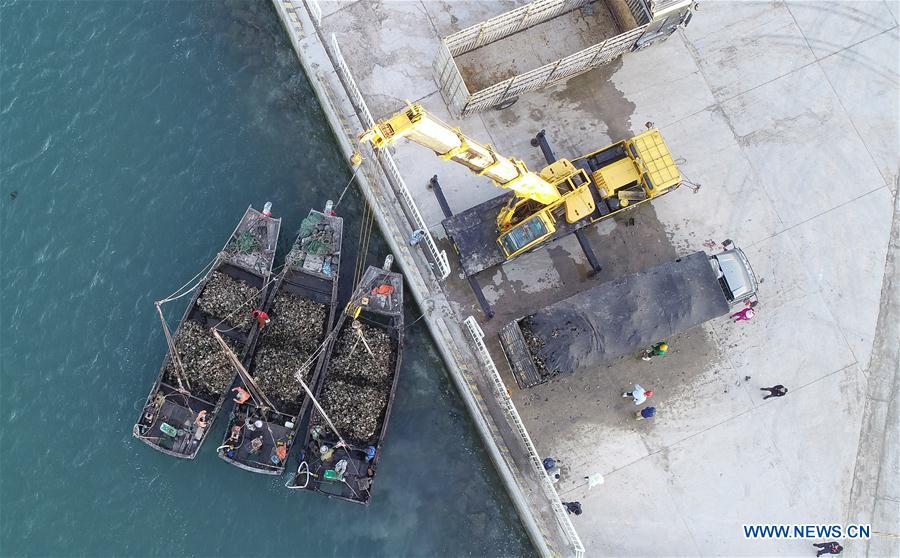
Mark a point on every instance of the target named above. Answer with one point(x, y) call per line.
point(227, 298)
point(353, 362)
point(316, 246)
point(206, 366)
point(295, 331)
point(295, 323)
point(535, 346)
point(359, 382)
point(355, 411)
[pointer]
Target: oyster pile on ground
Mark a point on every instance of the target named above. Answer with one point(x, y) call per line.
point(230, 299)
point(294, 333)
point(356, 393)
point(206, 366)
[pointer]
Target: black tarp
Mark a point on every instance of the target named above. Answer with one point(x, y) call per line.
point(626, 315)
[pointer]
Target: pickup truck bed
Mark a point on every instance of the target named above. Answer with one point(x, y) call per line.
point(613, 319)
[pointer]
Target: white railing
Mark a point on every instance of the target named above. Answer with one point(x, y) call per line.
point(534, 457)
point(315, 10)
point(356, 98)
point(438, 256)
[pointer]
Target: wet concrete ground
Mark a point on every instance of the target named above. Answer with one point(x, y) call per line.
point(787, 115)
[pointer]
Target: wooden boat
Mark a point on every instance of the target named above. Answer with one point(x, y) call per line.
point(343, 444)
point(193, 382)
point(301, 308)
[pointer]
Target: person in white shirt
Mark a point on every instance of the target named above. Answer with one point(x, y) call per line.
point(639, 394)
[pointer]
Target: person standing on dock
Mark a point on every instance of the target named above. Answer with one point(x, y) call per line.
point(645, 413)
point(639, 394)
point(744, 315)
point(262, 318)
point(774, 391)
point(660, 349)
point(552, 468)
point(828, 548)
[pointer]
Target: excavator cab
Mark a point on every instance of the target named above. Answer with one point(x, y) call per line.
point(527, 234)
point(576, 199)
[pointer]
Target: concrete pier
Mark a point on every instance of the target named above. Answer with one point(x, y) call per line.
point(786, 114)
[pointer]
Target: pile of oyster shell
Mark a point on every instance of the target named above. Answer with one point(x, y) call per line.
point(295, 330)
point(356, 411)
point(535, 344)
point(358, 383)
point(206, 366)
point(230, 299)
point(352, 362)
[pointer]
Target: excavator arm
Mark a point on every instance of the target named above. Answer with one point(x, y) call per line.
point(415, 124)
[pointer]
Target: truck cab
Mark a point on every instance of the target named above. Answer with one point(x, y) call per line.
point(735, 275)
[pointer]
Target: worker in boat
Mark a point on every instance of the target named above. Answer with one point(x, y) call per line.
point(262, 318)
point(383, 289)
point(235, 434)
point(201, 419)
point(281, 451)
point(241, 395)
point(370, 453)
point(256, 444)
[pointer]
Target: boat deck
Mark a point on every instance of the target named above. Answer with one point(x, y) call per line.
point(254, 226)
point(263, 457)
point(356, 481)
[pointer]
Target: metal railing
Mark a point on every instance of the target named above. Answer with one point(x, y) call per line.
point(356, 98)
point(389, 167)
point(534, 457)
point(315, 11)
point(463, 102)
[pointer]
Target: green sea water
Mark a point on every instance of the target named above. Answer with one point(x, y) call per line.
point(132, 137)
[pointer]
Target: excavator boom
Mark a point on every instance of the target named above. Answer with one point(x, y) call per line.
point(415, 124)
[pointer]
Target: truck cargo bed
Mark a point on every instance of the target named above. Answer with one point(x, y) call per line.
point(613, 319)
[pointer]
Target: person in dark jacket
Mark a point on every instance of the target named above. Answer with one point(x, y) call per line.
point(774, 391)
point(645, 413)
point(829, 548)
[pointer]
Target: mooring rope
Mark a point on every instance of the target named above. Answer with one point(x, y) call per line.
point(347, 187)
point(363, 247)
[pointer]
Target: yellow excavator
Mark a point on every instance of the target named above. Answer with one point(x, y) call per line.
point(563, 197)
